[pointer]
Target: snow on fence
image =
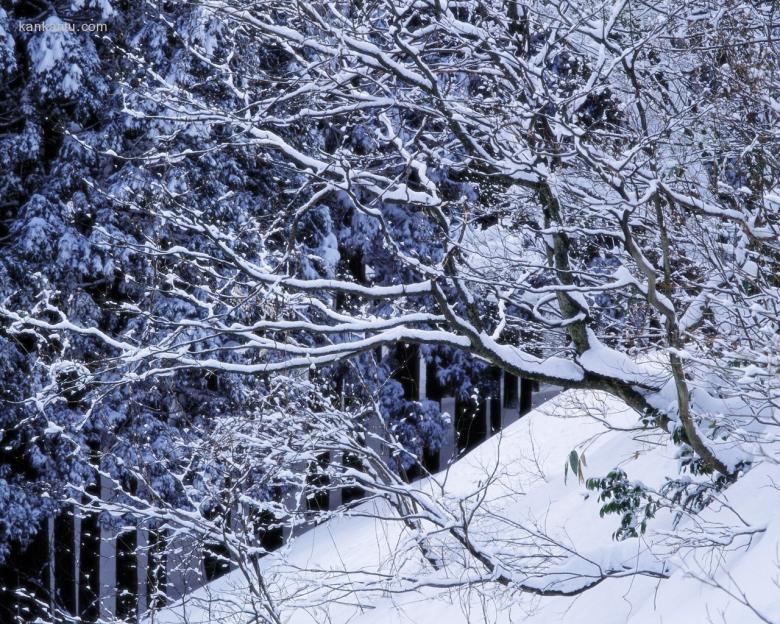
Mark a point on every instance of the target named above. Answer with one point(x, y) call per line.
point(84, 567)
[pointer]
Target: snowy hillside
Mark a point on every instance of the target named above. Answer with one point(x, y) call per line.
point(369, 571)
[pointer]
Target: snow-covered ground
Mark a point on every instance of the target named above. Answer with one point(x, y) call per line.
point(524, 469)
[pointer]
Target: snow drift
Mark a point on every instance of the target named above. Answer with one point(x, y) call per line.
point(722, 565)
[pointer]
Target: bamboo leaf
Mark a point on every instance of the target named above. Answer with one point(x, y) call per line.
point(574, 462)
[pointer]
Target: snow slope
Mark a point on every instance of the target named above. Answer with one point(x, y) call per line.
point(524, 469)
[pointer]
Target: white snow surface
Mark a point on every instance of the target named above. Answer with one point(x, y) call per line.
point(528, 460)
